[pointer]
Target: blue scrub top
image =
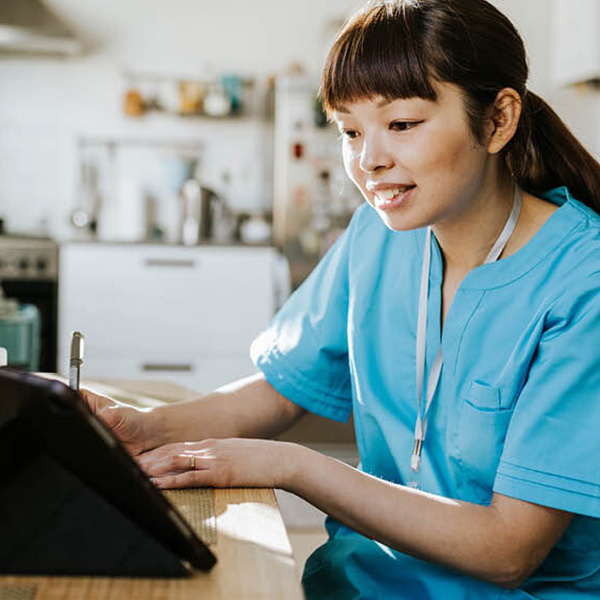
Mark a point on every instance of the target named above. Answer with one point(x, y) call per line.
point(517, 408)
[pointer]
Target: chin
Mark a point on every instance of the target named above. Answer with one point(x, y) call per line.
point(397, 222)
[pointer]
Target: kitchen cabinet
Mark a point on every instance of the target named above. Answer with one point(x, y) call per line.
point(182, 314)
point(575, 42)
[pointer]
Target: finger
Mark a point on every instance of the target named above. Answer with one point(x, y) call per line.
point(181, 448)
point(158, 453)
point(201, 452)
point(174, 463)
point(98, 404)
point(114, 417)
point(189, 479)
point(94, 401)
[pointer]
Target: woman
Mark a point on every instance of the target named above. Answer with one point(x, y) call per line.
point(458, 318)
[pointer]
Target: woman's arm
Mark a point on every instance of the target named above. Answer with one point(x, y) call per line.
point(502, 543)
point(247, 408)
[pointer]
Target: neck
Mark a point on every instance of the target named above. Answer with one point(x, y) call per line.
point(466, 239)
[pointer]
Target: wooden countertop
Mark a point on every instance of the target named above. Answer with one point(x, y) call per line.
point(253, 550)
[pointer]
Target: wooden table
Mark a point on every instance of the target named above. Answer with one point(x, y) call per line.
point(253, 550)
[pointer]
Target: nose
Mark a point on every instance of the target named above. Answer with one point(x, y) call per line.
point(374, 155)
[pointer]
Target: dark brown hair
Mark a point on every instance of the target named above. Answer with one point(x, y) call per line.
point(399, 48)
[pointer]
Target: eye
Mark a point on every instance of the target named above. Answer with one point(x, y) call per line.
point(403, 125)
point(348, 133)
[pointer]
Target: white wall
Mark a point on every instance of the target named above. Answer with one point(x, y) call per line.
point(46, 105)
point(533, 18)
point(538, 24)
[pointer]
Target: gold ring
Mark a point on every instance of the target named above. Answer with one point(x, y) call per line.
point(192, 463)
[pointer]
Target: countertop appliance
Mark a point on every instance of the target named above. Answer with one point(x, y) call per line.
point(29, 273)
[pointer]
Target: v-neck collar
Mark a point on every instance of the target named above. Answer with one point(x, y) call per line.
point(549, 238)
point(546, 240)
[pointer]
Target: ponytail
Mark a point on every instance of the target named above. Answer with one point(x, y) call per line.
point(544, 154)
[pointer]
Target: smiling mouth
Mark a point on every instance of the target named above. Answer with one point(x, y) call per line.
point(392, 197)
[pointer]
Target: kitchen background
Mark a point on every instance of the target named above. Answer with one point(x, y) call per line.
point(172, 146)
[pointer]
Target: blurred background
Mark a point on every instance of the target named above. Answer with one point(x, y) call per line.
point(167, 176)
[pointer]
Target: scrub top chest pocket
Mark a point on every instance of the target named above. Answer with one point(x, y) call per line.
point(482, 424)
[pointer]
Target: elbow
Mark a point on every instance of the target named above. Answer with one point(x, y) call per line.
point(512, 573)
point(510, 581)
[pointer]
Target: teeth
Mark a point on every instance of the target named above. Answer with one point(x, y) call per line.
point(388, 194)
point(385, 195)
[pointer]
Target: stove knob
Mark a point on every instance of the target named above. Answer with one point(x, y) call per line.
point(41, 264)
point(24, 264)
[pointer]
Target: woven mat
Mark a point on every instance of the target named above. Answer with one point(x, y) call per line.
point(197, 506)
point(17, 592)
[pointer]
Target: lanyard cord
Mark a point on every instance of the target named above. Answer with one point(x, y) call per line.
point(436, 368)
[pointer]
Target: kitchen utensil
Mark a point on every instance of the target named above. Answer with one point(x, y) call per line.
point(85, 215)
point(197, 212)
point(255, 230)
point(191, 212)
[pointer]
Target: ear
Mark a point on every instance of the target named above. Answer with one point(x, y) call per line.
point(504, 119)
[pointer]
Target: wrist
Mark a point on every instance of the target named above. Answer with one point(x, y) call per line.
point(293, 458)
point(158, 430)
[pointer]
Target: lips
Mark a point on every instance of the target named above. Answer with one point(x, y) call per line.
point(391, 197)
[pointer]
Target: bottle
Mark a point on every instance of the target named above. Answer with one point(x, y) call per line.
point(133, 105)
point(190, 97)
point(190, 212)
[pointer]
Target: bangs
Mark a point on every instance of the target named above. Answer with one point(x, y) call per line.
point(380, 52)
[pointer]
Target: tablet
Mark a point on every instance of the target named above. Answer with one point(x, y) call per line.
point(43, 419)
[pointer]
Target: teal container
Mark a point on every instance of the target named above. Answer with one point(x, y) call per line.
point(20, 335)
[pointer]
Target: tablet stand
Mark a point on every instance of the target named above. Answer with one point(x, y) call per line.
point(53, 523)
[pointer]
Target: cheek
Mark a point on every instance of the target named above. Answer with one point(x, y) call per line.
point(351, 160)
point(449, 155)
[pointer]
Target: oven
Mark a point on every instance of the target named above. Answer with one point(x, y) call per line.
point(29, 274)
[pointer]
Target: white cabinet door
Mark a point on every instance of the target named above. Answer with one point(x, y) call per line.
point(168, 312)
point(575, 45)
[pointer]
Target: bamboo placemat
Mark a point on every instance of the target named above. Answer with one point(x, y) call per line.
point(197, 506)
point(17, 592)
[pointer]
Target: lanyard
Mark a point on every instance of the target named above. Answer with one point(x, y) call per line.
point(436, 368)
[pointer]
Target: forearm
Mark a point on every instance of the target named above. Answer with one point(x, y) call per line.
point(249, 408)
point(467, 537)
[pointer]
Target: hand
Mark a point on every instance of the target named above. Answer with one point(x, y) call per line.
point(130, 425)
point(220, 463)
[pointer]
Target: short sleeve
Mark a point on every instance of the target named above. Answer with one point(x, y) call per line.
point(304, 351)
point(552, 450)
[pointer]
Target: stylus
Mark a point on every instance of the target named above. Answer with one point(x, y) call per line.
point(77, 344)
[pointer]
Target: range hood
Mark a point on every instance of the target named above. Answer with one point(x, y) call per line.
point(27, 26)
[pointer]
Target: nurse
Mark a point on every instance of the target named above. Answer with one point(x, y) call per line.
point(458, 319)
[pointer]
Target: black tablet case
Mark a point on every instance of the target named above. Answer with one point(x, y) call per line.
point(72, 501)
